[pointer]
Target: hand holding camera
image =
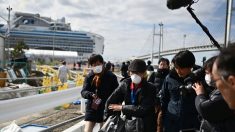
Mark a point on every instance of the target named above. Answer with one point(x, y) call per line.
point(198, 87)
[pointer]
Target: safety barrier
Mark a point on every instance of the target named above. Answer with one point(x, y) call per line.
point(76, 76)
point(19, 107)
point(26, 89)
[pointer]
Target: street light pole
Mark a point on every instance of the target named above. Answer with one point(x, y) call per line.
point(53, 57)
point(153, 43)
point(160, 40)
point(184, 41)
point(228, 22)
point(9, 30)
point(7, 35)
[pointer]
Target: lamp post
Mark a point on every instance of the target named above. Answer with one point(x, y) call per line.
point(184, 41)
point(7, 35)
point(53, 46)
point(160, 40)
point(9, 30)
point(153, 43)
point(228, 22)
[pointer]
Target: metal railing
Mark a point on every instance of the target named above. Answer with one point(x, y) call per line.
point(15, 108)
point(27, 89)
point(62, 123)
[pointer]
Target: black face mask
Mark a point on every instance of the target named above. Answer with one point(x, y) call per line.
point(162, 71)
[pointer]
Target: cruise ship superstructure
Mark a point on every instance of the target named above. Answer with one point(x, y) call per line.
point(47, 34)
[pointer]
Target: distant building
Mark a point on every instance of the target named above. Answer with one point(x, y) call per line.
point(43, 33)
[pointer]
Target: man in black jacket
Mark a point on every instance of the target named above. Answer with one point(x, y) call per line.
point(179, 112)
point(162, 72)
point(97, 87)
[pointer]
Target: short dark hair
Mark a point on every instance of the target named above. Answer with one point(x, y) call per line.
point(149, 62)
point(137, 65)
point(226, 61)
point(63, 62)
point(108, 66)
point(94, 58)
point(209, 64)
point(164, 59)
point(184, 59)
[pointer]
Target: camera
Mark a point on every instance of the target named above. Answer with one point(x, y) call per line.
point(196, 76)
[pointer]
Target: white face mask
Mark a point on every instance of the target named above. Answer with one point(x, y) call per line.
point(208, 79)
point(148, 72)
point(98, 69)
point(136, 79)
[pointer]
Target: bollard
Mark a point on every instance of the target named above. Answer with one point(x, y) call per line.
point(83, 105)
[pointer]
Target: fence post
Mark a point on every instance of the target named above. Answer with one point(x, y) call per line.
point(83, 105)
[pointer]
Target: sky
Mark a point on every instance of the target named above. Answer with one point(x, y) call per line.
point(127, 25)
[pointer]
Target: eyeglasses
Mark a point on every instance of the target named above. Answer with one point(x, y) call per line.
point(216, 79)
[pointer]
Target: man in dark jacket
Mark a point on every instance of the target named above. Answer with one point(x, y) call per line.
point(138, 96)
point(162, 72)
point(179, 112)
point(97, 87)
point(124, 69)
point(217, 117)
point(149, 66)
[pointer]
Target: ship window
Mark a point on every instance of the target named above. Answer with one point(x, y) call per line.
point(25, 21)
point(32, 21)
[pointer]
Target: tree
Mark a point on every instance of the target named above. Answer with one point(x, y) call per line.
point(18, 50)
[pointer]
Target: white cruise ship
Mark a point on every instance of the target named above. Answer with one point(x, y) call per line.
point(44, 33)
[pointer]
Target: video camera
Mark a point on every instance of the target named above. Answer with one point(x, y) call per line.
point(196, 76)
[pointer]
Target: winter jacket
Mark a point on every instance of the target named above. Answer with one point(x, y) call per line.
point(159, 77)
point(124, 69)
point(108, 84)
point(213, 109)
point(151, 77)
point(179, 112)
point(143, 108)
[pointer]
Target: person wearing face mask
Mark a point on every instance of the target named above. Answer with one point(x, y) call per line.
point(138, 96)
point(162, 72)
point(213, 109)
point(179, 112)
point(97, 87)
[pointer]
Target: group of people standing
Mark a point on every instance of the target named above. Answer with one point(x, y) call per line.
point(163, 100)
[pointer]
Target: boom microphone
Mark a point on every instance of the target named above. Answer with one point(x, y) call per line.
point(176, 4)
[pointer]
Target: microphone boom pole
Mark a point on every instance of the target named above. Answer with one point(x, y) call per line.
point(204, 28)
